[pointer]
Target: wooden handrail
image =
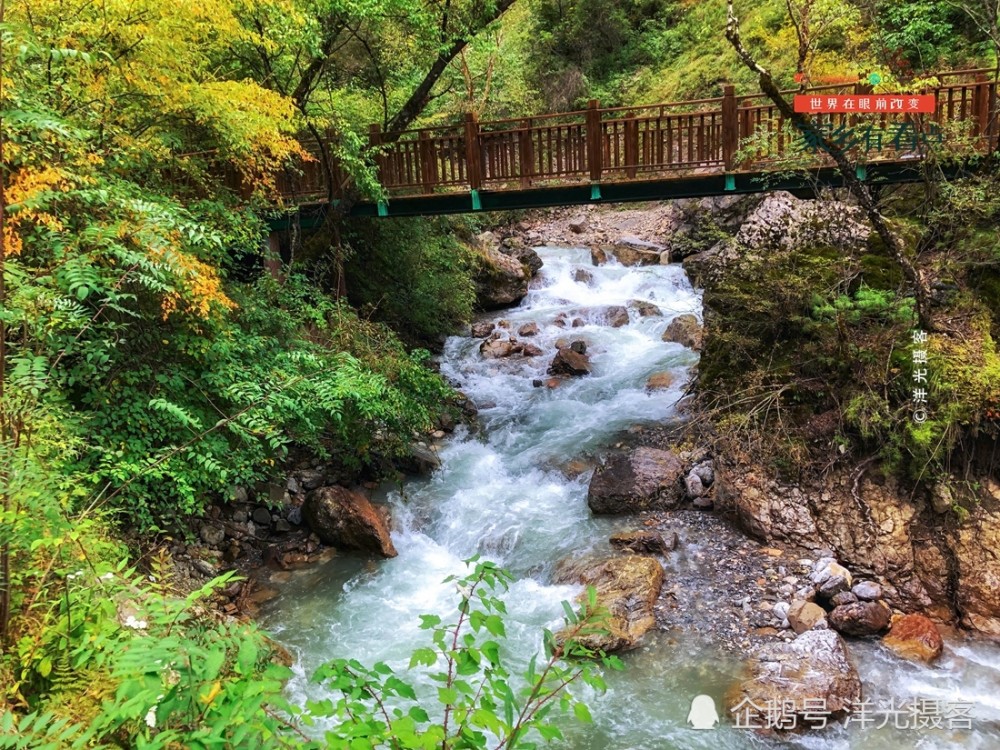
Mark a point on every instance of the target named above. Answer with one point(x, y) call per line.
point(597, 144)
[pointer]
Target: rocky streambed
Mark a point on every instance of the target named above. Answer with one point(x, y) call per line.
point(581, 474)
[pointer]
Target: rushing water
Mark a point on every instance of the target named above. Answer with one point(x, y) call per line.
point(503, 495)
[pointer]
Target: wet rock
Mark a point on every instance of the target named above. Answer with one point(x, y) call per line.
point(615, 316)
point(483, 328)
point(634, 252)
point(583, 276)
point(579, 322)
point(645, 542)
point(803, 616)
point(812, 669)
point(860, 618)
point(528, 329)
point(659, 381)
point(569, 362)
point(294, 515)
point(644, 309)
point(212, 534)
point(686, 331)
point(867, 590)
point(501, 280)
point(579, 225)
point(348, 519)
point(914, 637)
point(627, 587)
point(598, 256)
point(421, 459)
point(261, 517)
point(526, 256)
point(554, 382)
point(579, 346)
point(498, 348)
point(530, 350)
point(643, 479)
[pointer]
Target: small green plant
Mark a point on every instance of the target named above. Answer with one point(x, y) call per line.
point(479, 702)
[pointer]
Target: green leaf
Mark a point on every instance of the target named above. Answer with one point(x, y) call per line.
point(494, 624)
point(582, 712)
point(424, 656)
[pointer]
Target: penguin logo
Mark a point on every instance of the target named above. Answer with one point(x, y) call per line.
point(703, 714)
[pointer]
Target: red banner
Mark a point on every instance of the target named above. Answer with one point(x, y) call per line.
point(866, 103)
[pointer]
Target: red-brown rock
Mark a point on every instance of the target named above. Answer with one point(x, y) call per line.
point(348, 519)
point(914, 637)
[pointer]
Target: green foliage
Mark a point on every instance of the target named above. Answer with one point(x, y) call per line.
point(413, 274)
point(138, 666)
point(923, 33)
point(478, 701)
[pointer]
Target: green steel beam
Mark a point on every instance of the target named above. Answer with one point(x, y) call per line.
point(617, 192)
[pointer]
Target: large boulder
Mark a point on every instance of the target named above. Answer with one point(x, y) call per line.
point(498, 348)
point(686, 331)
point(627, 587)
point(812, 670)
point(914, 637)
point(642, 479)
point(615, 316)
point(644, 309)
point(526, 256)
point(783, 222)
point(570, 362)
point(860, 618)
point(631, 251)
point(348, 519)
point(501, 280)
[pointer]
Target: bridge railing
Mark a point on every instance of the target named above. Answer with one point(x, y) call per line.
point(632, 143)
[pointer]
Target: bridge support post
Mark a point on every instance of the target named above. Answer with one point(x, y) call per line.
point(981, 122)
point(526, 152)
point(594, 138)
point(428, 167)
point(730, 128)
point(473, 155)
point(631, 146)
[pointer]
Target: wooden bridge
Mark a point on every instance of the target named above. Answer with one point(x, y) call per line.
point(732, 143)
